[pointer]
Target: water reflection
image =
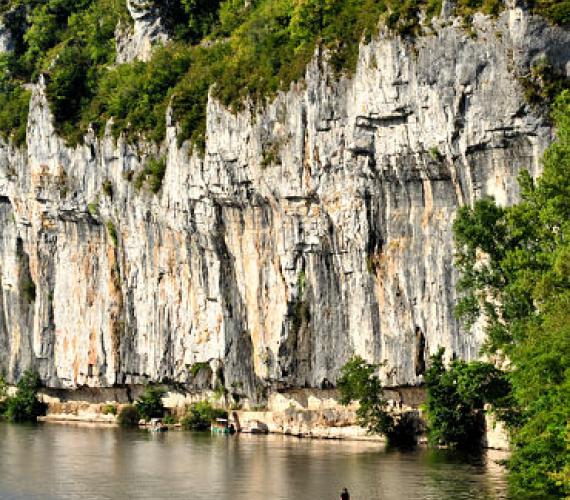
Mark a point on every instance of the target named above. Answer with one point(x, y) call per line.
point(64, 462)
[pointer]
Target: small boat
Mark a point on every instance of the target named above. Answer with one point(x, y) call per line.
point(256, 427)
point(222, 426)
point(156, 425)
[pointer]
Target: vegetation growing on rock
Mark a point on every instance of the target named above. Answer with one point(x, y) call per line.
point(112, 232)
point(29, 289)
point(152, 175)
point(197, 367)
point(236, 49)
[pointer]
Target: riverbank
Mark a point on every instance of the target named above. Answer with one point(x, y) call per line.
point(306, 413)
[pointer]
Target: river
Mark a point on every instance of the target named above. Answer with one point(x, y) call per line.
point(53, 462)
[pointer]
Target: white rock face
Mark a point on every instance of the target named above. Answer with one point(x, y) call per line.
point(317, 229)
point(6, 42)
point(136, 42)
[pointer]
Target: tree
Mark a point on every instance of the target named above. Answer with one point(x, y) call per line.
point(25, 406)
point(199, 416)
point(232, 14)
point(515, 265)
point(149, 404)
point(358, 382)
point(457, 397)
point(542, 390)
point(128, 416)
point(202, 16)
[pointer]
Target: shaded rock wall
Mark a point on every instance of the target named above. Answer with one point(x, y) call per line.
point(317, 228)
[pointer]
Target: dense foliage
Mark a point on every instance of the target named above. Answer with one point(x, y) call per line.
point(128, 416)
point(541, 461)
point(14, 103)
point(200, 415)
point(72, 42)
point(25, 405)
point(456, 399)
point(237, 49)
point(515, 265)
point(358, 382)
point(149, 404)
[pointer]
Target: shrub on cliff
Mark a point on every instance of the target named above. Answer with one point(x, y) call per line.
point(152, 175)
point(128, 416)
point(200, 415)
point(357, 382)
point(25, 405)
point(149, 404)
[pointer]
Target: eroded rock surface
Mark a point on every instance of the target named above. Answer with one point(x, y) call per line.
point(313, 230)
point(135, 42)
point(6, 42)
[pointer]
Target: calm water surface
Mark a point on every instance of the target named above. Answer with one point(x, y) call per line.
point(51, 461)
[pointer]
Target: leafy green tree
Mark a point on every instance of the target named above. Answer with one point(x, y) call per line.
point(136, 95)
point(128, 416)
point(25, 406)
point(457, 397)
point(516, 274)
point(199, 416)
point(358, 382)
point(67, 84)
point(149, 404)
point(202, 16)
point(41, 35)
point(232, 14)
point(311, 17)
point(14, 104)
point(542, 390)
point(514, 260)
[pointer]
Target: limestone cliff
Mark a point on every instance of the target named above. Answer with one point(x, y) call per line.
point(315, 229)
point(135, 42)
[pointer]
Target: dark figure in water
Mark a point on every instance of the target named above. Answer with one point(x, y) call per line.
point(344, 494)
